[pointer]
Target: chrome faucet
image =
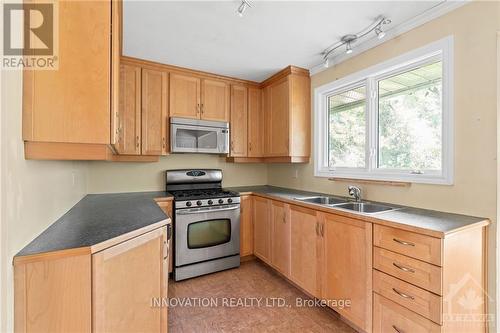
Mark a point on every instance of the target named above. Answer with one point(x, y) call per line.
point(355, 192)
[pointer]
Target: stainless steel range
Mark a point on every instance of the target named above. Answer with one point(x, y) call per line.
point(206, 223)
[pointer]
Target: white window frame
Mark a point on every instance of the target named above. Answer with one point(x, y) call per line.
point(439, 50)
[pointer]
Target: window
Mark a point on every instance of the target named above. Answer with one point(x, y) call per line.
point(390, 122)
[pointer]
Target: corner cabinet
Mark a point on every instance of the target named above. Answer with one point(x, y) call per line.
point(126, 278)
point(274, 124)
point(109, 290)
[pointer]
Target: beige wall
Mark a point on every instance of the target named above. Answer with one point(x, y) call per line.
point(474, 27)
point(133, 177)
point(34, 193)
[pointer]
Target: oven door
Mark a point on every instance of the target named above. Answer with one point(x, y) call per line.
point(199, 139)
point(206, 233)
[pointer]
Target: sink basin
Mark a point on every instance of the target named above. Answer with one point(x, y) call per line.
point(365, 207)
point(320, 200)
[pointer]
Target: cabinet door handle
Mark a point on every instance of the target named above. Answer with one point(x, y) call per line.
point(317, 229)
point(250, 146)
point(322, 229)
point(202, 108)
point(403, 268)
point(164, 142)
point(403, 294)
point(397, 329)
point(137, 141)
point(198, 108)
point(284, 219)
point(403, 242)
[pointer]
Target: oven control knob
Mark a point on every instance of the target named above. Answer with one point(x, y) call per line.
point(210, 202)
point(188, 203)
point(199, 203)
point(221, 201)
point(229, 200)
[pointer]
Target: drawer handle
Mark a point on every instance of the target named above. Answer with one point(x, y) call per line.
point(403, 294)
point(403, 268)
point(397, 329)
point(403, 242)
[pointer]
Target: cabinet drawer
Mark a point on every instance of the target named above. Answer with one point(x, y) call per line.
point(391, 317)
point(410, 244)
point(416, 272)
point(416, 299)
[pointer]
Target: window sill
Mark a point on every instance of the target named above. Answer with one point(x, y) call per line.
point(371, 181)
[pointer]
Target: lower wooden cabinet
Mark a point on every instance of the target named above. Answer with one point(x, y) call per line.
point(347, 268)
point(280, 241)
point(306, 249)
point(262, 229)
point(246, 226)
point(111, 290)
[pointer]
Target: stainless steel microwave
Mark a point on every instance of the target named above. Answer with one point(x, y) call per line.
point(198, 136)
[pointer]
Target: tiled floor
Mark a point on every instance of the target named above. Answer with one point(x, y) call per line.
point(252, 281)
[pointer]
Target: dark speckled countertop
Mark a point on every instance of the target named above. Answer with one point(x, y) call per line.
point(438, 224)
point(97, 218)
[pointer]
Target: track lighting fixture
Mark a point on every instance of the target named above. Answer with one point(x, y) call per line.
point(243, 6)
point(349, 40)
point(326, 63)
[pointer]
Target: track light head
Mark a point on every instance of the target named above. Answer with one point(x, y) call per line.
point(380, 33)
point(326, 63)
point(348, 48)
point(243, 6)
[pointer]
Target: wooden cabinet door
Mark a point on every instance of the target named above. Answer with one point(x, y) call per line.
point(72, 104)
point(154, 112)
point(280, 241)
point(215, 97)
point(255, 123)
point(238, 130)
point(246, 226)
point(277, 111)
point(348, 266)
point(129, 111)
point(306, 250)
point(262, 229)
point(184, 96)
point(125, 280)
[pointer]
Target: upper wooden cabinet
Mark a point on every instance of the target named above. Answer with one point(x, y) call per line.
point(72, 104)
point(238, 128)
point(185, 100)
point(287, 109)
point(278, 128)
point(128, 115)
point(215, 100)
point(154, 112)
point(192, 97)
point(255, 123)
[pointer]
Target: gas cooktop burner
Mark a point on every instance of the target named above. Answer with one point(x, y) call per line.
point(202, 194)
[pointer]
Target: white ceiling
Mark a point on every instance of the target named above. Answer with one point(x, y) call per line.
point(209, 36)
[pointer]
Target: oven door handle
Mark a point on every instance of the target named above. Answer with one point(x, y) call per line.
point(205, 210)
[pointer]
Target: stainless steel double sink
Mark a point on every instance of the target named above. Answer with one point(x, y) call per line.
point(360, 207)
